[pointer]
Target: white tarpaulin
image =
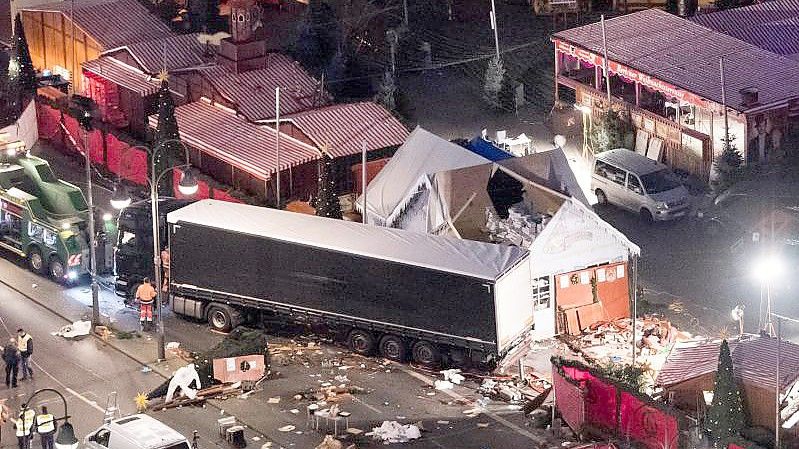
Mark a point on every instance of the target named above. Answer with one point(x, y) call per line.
point(466, 257)
point(422, 154)
point(576, 238)
point(25, 129)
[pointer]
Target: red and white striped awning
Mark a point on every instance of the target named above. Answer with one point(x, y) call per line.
point(219, 132)
point(342, 129)
point(121, 74)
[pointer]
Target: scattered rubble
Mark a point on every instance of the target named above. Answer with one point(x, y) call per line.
point(394, 432)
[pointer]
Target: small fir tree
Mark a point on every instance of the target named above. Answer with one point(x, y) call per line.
point(167, 149)
point(7, 114)
point(327, 203)
point(492, 83)
point(725, 418)
point(610, 131)
point(20, 67)
point(387, 95)
point(729, 165)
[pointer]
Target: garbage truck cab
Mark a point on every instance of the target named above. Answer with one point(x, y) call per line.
point(136, 432)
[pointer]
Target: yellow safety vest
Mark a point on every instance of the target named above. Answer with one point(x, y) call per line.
point(45, 423)
point(22, 342)
point(23, 428)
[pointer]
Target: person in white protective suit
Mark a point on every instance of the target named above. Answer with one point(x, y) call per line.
point(182, 378)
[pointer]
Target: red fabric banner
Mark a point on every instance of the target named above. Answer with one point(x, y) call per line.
point(134, 165)
point(96, 147)
point(570, 401)
point(48, 120)
point(647, 424)
point(222, 195)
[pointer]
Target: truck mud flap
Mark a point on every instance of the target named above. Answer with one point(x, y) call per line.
point(187, 307)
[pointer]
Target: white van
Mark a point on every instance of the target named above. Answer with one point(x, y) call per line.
point(136, 432)
point(634, 182)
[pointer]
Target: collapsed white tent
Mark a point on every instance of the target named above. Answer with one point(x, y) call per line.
point(423, 154)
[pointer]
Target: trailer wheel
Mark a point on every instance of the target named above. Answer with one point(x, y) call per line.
point(36, 261)
point(223, 318)
point(361, 342)
point(392, 347)
point(425, 353)
point(57, 271)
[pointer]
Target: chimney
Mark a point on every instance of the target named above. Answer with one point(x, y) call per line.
point(748, 96)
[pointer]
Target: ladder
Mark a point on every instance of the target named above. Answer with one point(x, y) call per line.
point(111, 408)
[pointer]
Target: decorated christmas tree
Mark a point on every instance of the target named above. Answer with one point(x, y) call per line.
point(327, 203)
point(7, 114)
point(168, 151)
point(20, 68)
point(725, 418)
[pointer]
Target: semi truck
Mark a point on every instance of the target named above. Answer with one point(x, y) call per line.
point(133, 253)
point(43, 218)
point(400, 294)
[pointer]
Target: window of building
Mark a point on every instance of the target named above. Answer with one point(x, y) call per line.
point(541, 293)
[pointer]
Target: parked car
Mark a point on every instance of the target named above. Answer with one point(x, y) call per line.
point(136, 432)
point(641, 185)
point(751, 216)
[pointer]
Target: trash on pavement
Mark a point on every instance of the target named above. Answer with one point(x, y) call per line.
point(74, 330)
point(443, 385)
point(394, 432)
point(275, 400)
point(330, 443)
point(453, 375)
point(287, 428)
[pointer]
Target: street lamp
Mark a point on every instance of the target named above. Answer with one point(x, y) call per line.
point(767, 268)
point(66, 434)
point(188, 186)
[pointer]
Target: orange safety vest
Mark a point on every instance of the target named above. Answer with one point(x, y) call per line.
point(145, 293)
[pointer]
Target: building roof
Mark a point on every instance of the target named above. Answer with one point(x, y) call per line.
point(686, 54)
point(112, 23)
point(341, 129)
point(754, 361)
point(475, 259)
point(772, 25)
point(122, 75)
point(182, 51)
point(221, 133)
point(253, 92)
point(550, 169)
point(422, 154)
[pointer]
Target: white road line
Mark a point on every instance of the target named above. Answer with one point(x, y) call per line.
point(370, 407)
point(93, 404)
point(491, 415)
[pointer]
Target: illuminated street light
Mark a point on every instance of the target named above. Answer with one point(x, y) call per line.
point(767, 269)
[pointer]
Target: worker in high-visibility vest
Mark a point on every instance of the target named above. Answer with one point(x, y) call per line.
point(145, 294)
point(5, 413)
point(45, 427)
point(24, 426)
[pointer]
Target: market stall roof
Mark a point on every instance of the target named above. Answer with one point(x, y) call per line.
point(122, 75)
point(341, 129)
point(754, 361)
point(576, 238)
point(175, 52)
point(112, 23)
point(423, 154)
point(686, 55)
point(219, 132)
point(772, 25)
point(549, 168)
point(253, 91)
point(475, 259)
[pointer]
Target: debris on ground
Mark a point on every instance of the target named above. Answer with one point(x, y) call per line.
point(443, 385)
point(287, 428)
point(453, 375)
point(330, 443)
point(77, 329)
point(394, 432)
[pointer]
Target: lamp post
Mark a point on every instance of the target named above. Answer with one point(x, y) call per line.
point(187, 186)
point(767, 268)
point(66, 434)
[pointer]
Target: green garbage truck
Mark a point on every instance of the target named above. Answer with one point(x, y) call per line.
point(42, 218)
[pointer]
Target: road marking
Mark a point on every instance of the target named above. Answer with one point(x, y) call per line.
point(491, 415)
point(66, 388)
point(370, 407)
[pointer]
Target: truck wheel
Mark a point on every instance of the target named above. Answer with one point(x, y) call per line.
point(56, 270)
point(223, 318)
point(361, 342)
point(393, 348)
point(36, 261)
point(425, 353)
point(601, 198)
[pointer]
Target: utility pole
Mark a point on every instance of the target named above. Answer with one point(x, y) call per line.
point(605, 54)
point(363, 182)
point(392, 38)
point(724, 102)
point(493, 16)
point(777, 423)
point(92, 236)
point(405, 12)
point(277, 145)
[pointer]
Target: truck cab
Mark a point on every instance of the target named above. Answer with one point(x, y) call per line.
point(136, 432)
point(43, 219)
point(133, 252)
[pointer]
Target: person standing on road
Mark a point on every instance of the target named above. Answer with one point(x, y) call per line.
point(11, 359)
point(25, 346)
point(24, 426)
point(5, 414)
point(145, 294)
point(45, 427)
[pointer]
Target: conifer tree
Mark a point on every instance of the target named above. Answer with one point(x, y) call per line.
point(327, 202)
point(725, 418)
point(168, 151)
point(20, 67)
point(318, 39)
